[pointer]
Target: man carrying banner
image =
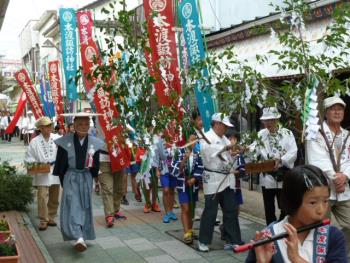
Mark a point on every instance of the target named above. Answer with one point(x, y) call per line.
point(77, 162)
point(42, 149)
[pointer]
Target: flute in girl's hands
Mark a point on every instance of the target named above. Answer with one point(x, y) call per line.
point(248, 246)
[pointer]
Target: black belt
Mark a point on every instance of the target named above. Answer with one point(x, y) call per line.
point(219, 172)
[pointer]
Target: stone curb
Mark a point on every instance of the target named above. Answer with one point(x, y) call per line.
point(36, 238)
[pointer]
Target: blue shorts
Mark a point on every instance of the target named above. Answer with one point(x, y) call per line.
point(168, 180)
point(184, 197)
point(133, 169)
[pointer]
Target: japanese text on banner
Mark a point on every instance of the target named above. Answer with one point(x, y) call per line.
point(56, 92)
point(193, 37)
point(68, 26)
point(163, 45)
point(103, 101)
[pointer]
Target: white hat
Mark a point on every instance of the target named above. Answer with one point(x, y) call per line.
point(220, 117)
point(29, 112)
point(43, 121)
point(270, 113)
point(329, 102)
point(80, 114)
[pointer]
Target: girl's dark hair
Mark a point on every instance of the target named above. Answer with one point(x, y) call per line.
point(296, 182)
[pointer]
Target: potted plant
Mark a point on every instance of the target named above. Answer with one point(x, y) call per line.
point(4, 225)
point(16, 190)
point(9, 252)
point(5, 229)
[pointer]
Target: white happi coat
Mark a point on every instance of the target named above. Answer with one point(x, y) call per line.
point(42, 151)
point(318, 155)
point(280, 145)
point(211, 179)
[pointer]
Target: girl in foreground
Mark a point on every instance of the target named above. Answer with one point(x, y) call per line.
point(305, 196)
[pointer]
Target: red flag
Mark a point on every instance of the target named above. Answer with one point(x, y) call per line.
point(27, 86)
point(104, 102)
point(21, 104)
point(160, 20)
point(56, 91)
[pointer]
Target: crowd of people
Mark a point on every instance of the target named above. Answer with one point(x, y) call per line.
point(214, 162)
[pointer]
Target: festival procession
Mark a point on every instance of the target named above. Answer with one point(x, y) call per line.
point(175, 131)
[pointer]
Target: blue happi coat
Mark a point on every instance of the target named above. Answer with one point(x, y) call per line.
point(193, 168)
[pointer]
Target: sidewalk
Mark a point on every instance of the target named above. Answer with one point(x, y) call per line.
point(141, 238)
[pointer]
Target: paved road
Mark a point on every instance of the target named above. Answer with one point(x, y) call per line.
point(142, 237)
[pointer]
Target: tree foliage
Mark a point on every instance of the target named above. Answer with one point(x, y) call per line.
point(235, 84)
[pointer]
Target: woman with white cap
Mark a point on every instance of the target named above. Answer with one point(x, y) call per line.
point(338, 171)
point(76, 164)
point(42, 149)
point(279, 144)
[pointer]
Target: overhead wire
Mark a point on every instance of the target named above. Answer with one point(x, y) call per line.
point(212, 9)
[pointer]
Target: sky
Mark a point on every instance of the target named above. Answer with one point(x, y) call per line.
point(19, 12)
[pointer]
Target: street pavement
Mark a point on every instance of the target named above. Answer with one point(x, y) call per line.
point(140, 238)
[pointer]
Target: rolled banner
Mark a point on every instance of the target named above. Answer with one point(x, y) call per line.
point(20, 107)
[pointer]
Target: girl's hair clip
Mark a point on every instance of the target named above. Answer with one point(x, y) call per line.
point(307, 181)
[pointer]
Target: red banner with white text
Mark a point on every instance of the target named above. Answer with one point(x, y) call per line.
point(26, 84)
point(160, 21)
point(56, 91)
point(20, 107)
point(104, 102)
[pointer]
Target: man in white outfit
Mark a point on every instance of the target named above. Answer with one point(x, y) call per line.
point(28, 127)
point(42, 149)
point(4, 124)
point(219, 184)
point(317, 153)
point(279, 144)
